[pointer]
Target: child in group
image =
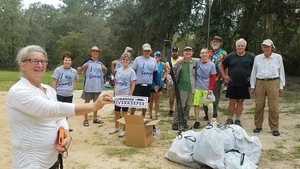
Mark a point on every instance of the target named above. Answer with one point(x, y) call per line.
point(125, 84)
point(205, 81)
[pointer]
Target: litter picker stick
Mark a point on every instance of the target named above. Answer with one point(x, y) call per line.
point(177, 94)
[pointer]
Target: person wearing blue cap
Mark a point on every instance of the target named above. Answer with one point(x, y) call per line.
point(155, 94)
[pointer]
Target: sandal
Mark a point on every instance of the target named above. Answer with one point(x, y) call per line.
point(86, 123)
point(97, 121)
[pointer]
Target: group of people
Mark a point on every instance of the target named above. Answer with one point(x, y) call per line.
point(36, 111)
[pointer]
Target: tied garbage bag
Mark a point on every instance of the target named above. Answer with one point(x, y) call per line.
point(250, 145)
point(235, 160)
point(181, 149)
point(209, 148)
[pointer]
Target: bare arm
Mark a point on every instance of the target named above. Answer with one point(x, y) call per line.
point(222, 70)
point(132, 86)
point(54, 83)
point(103, 99)
point(81, 69)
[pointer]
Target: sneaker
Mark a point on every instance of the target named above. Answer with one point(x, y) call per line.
point(170, 114)
point(113, 131)
point(229, 121)
point(238, 122)
point(154, 117)
point(276, 133)
point(257, 130)
point(175, 126)
point(122, 134)
point(196, 125)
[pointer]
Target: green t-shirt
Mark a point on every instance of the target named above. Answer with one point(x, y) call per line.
point(184, 82)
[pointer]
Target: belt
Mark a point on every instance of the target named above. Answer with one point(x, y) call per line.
point(268, 79)
point(145, 84)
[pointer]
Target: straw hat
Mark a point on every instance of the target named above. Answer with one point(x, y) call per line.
point(94, 48)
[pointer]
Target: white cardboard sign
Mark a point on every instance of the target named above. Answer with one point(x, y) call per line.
point(131, 101)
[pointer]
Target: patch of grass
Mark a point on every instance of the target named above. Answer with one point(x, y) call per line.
point(293, 110)
point(122, 153)
point(167, 136)
point(223, 110)
point(276, 155)
point(296, 151)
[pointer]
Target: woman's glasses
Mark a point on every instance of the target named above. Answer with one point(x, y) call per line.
point(36, 61)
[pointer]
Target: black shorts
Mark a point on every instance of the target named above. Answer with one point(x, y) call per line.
point(238, 92)
point(142, 90)
point(160, 89)
point(124, 109)
point(68, 99)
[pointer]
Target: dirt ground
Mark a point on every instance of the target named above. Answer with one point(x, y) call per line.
point(94, 148)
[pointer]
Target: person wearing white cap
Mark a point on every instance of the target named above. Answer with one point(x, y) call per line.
point(93, 71)
point(116, 64)
point(145, 67)
point(267, 81)
point(185, 73)
point(239, 65)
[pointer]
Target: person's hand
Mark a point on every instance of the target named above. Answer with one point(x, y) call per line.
point(156, 88)
point(210, 92)
point(248, 79)
point(280, 91)
point(252, 90)
point(102, 100)
point(64, 146)
point(227, 79)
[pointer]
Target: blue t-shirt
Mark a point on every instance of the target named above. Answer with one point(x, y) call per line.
point(65, 80)
point(144, 68)
point(93, 74)
point(203, 73)
point(123, 79)
point(160, 71)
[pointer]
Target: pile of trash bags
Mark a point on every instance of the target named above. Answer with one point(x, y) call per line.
point(217, 146)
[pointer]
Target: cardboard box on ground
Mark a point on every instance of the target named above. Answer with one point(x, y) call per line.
point(139, 131)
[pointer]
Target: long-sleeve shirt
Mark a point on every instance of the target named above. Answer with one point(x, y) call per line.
point(271, 67)
point(34, 118)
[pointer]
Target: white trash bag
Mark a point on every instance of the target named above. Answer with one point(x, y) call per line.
point(209, 148)
point(250, 145)
point(236, 160)
point(182, 148)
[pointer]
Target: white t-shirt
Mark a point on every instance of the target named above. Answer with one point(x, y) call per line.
point(34, 118)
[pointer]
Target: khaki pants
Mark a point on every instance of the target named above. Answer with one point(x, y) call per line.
point(269, 90)
point(186, 102)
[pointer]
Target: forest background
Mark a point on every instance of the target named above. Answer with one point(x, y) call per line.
point(77, 25)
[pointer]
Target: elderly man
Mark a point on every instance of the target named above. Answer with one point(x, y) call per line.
point(217, 55)
point(93, 71)
point(145, 67)
point(267, 81)
point(185, 74)
point(239, 66)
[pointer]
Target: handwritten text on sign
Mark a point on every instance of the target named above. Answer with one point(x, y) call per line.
point(131, 101)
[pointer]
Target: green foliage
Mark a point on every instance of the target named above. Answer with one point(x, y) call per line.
point(78, 25)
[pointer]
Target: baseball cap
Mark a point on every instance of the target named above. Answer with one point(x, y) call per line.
point(175, 48)
point(146, 46)
point(268, 42)
point(217, 38)
point(128, 49)
point(188, 48)
point(157, 53)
